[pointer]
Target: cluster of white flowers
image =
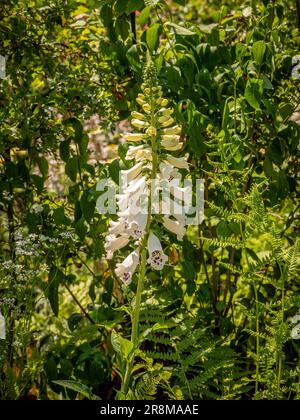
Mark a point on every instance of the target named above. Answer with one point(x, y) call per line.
point(152, 164)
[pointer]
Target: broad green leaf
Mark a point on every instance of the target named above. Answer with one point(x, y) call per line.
point(143, 18)
point(152, 36)
point(253, 94)
point(258, 51)
point(121, 345)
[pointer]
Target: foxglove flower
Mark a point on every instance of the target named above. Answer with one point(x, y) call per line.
point(174, 226)
point(115, 243)
point(150, 151)
point(157, 258)
point(126, 269)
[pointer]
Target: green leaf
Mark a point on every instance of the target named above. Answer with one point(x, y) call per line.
point(59, 216)
point(121, 345)
point(134, 5)
point(114, 170)
point(77, 127)
point(226, 114)
point(253, 94)
point(71, 168)
point(258, 51)
point(223, 229)
point(143, 18)
point(180, 30)
point(207, 29)
point(81, 229)
point(64, 150)
point(152, 36)
point(87, 206)
point(43, 166)
point(77, 387)
point(54, 279)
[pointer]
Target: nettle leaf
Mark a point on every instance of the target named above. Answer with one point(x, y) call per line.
point(258, 51)
point(121, 345)
point(152, 36)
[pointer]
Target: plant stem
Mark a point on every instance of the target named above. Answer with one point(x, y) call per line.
point(257, 339)
point(143, 264)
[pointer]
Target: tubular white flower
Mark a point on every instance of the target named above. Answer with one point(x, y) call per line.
point(114, 244)
point(179, 163)
point(165, 119)
point(157, 258)
point(117, 228)
point(166, 111)
point(134, 137)
point(172, 130)
point(138, 115)
point(139, 153)
point(2, 327)
point(171, 146)
point(174, 226)
point(130, 174)
point(168, 172)
point(139, 123)
point(126, 269)
point(137, 226)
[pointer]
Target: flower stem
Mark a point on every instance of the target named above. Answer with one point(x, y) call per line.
point(143, 265)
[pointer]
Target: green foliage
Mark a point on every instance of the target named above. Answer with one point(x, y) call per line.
point(217, 322)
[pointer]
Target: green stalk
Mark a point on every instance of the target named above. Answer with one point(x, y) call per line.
point(257, 339)
point(143, 265)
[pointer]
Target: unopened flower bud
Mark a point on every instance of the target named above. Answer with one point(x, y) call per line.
point(138, 115)
point(139, 124)
point(151, 131)
point(166, 111)
point(147, 108)
point(172, 130)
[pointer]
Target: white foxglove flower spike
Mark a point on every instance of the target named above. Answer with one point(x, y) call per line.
point(157, 258)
